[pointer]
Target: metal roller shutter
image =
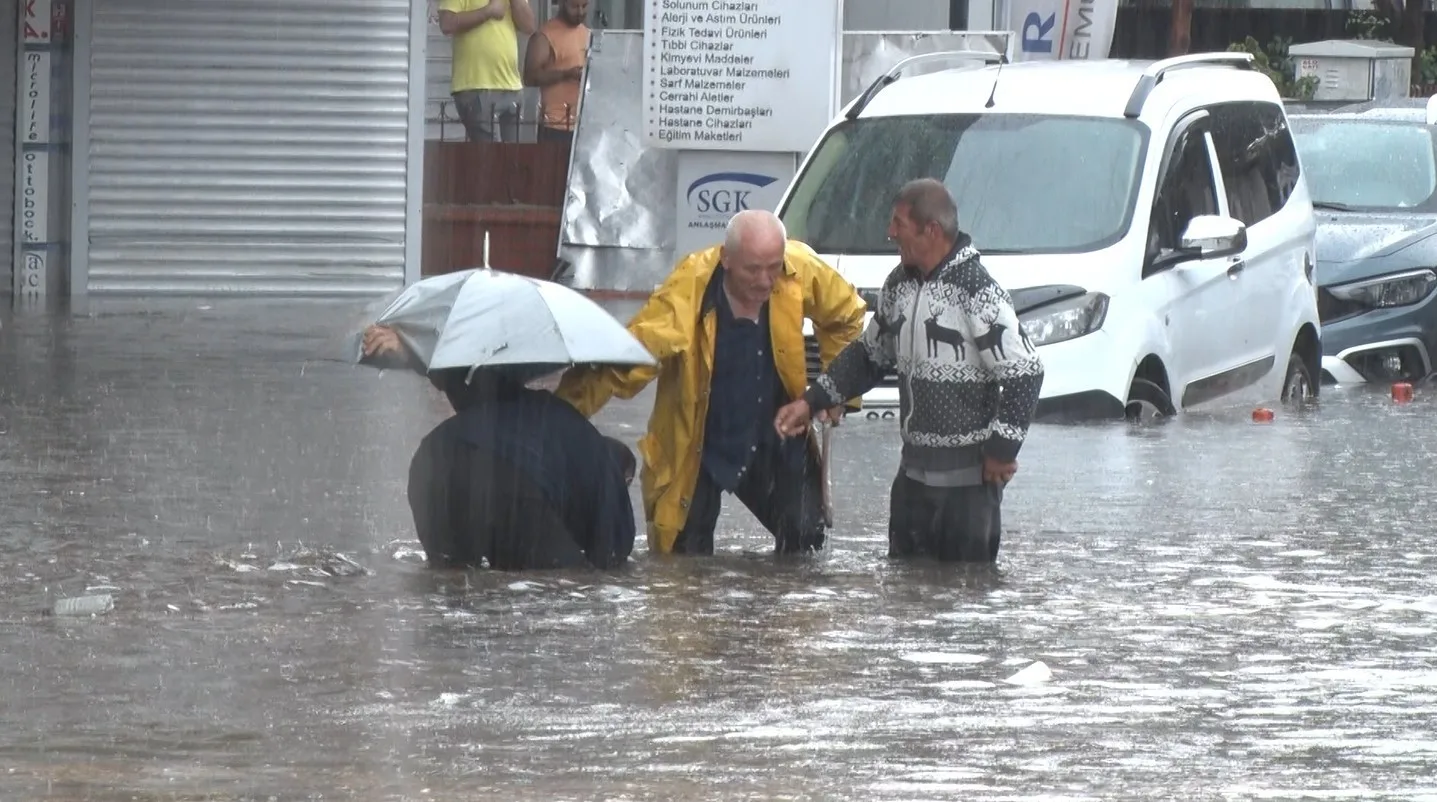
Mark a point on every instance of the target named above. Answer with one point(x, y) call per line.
point(252, 146)
point(10, 35)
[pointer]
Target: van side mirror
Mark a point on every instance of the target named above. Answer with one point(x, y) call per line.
point(1208, 236)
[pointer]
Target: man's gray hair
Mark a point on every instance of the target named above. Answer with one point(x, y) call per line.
point(751, 221)
point(929, 201)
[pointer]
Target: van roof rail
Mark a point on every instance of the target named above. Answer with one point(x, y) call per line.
point(1155, 72)
point(896, 71)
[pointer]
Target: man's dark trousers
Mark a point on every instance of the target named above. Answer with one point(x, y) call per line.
point(781, 487)
point(951, 524)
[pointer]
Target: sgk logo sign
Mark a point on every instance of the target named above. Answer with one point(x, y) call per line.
point(725, 193)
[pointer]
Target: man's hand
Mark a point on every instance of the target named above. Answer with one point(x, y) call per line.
point(792, 420)
point(380, 340)
point(574, 73)
point(495, 10)
point(997, 473)
point(453, 23)
point(831, 416)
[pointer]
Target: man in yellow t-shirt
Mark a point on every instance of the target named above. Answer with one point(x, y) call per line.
point(486, 84)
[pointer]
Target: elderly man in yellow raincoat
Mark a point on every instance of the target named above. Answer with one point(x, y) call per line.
point(727, 330)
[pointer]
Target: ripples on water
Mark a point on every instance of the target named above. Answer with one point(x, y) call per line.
point(1229, 611)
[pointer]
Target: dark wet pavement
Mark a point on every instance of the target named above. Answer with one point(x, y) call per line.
point(1228, 610)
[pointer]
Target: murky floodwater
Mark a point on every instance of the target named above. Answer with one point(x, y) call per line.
point(1228, 610)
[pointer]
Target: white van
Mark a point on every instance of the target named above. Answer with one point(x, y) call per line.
point(1149, 219)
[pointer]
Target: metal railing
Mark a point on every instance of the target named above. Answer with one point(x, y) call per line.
point(522, 119)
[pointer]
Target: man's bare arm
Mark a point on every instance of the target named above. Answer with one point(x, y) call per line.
point(539, 67)
point(524, 20)
point(456, 22)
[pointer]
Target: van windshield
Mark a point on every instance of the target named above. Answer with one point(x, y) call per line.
point(1024, 183)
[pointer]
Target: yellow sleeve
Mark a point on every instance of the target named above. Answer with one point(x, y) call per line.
point(834, 306)
point(457, 6)
point(664, 325)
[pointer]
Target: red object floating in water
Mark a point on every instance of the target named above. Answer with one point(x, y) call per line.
point(1262, 415)
point(1401, 392)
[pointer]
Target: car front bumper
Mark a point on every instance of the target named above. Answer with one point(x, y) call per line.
point(1381, 345)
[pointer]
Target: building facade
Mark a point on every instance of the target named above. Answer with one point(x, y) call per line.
point(9, 70)
point(207, 146)
point(218, 146)
point(246, 146)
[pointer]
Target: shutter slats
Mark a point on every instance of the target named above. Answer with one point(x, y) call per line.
point(248, 146)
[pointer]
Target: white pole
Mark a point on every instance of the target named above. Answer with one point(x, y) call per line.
point(486, 251)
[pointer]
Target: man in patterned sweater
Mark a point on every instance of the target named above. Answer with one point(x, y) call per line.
point(968, 383)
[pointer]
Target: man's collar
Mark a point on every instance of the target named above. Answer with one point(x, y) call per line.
point(961, 244)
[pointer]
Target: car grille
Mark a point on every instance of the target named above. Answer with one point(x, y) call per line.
point(1330, 307)
point(815, 364)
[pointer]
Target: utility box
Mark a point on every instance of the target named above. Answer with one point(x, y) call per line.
point(1355, 70)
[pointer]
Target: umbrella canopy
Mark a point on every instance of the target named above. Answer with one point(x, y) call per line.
point(491, 319)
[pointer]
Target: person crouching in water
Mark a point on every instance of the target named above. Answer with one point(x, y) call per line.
point(516, 478)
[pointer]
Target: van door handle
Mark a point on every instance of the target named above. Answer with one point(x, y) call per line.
point(1235, 268)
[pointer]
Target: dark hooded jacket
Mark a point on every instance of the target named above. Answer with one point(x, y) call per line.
point(526, 450)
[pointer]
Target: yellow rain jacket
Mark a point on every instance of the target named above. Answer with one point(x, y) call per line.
point(670, 327)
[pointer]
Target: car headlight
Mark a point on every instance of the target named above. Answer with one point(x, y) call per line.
point(1066, 320)
point(1398, 289)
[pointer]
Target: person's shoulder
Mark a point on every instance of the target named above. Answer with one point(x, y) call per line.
point(451, 428)
point(557, 409)
point(799, 248)
point(802, 258)
point(897, 277)
point(569, 432)
point(966, 267)
point(703, 260)
point(691, 273)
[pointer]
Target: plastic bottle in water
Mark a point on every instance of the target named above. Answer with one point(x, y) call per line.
point(84, 605)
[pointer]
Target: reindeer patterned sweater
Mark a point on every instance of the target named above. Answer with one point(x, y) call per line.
point(968, 378)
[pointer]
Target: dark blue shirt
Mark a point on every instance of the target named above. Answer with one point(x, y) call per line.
point(562, 454)
point(745, 393)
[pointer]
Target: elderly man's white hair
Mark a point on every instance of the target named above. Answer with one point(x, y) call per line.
point(752, 221)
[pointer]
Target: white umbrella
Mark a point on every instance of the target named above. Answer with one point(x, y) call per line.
point(491, 319)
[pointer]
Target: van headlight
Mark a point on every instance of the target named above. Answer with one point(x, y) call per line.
point(1067, 319)
point(1398, 289)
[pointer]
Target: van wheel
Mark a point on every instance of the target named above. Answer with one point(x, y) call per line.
point(1297, 387)
point(1147, 402)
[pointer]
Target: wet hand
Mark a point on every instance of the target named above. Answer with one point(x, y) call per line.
point(494, 10)
point(831, 416)
point(380, 340)
point(998, 473)
point(574, 73)
point(792, 419)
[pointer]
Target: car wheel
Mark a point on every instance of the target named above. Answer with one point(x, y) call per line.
point(1147, 402)
point(1298, 387)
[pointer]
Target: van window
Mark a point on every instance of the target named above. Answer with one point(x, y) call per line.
point(1257, 157)
point(1186, 191)
point(1024, 183)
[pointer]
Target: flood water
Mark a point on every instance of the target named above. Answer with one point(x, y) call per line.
point(1228, 610)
